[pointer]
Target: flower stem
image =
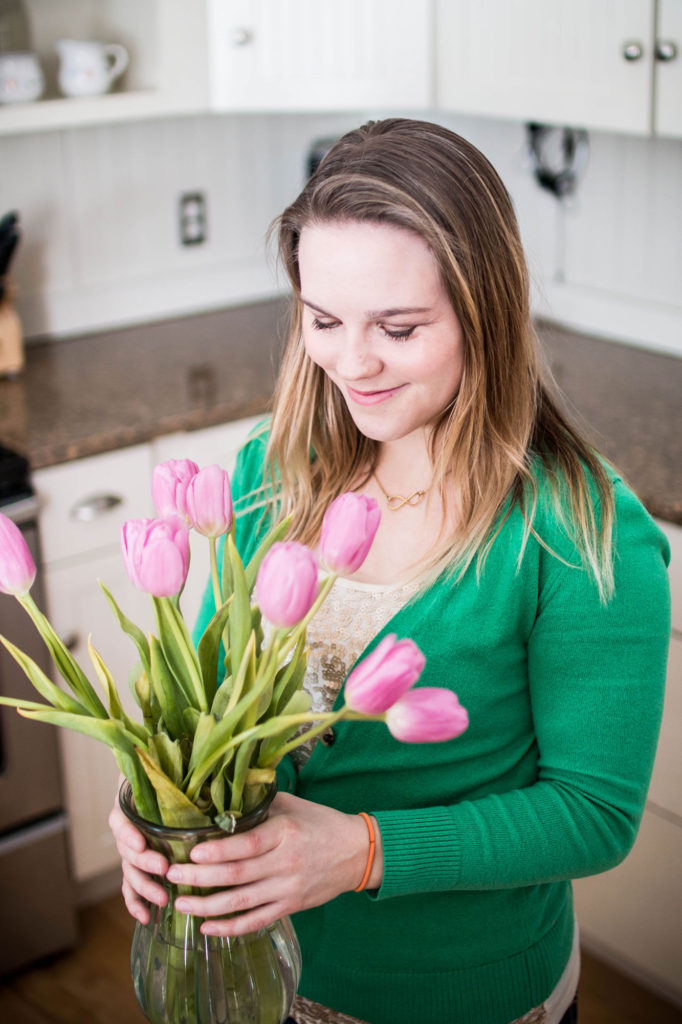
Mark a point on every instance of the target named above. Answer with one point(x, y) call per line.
point(215, 575)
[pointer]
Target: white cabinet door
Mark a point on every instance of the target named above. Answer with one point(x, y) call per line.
point(548, 61)
point(633, 914)
point(77, 608)
point(215, 445)
point(319, 54)
point(668, 114)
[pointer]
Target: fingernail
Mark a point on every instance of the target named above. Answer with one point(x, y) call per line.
point(182, 906)
point(174, 874)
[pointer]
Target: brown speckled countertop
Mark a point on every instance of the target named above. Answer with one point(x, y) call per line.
point(91, 394)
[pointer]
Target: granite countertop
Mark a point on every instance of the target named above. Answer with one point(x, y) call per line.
point(91, 394)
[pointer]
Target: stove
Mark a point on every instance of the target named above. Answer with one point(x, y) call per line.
point(37, 914)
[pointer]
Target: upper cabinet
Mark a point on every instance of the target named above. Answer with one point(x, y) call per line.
point(166, 45)
point(314, 55)
point(234, 55)
point(614, 65)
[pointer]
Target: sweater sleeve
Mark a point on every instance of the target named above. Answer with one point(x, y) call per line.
point(596, 675)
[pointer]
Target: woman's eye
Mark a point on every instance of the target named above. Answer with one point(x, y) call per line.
point(324, 325)
point(399, 334)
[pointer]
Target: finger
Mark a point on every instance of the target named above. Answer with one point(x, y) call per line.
point(143, 886)
point(244, 924)
point(124, 832)
point(238, 847)
point(150, 861)
point(134, 905)
point(225, 874)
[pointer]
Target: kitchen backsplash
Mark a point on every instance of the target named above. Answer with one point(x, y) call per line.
point(99, 209)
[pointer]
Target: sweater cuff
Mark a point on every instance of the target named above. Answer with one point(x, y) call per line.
point(421, 851)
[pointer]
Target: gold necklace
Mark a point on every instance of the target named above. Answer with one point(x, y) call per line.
point(397, 501)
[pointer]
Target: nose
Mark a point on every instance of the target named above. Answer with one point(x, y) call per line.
point(357, 359)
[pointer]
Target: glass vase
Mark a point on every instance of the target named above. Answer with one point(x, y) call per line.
point(183, 977)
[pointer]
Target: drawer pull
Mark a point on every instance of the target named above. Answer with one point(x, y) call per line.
point(90, 508)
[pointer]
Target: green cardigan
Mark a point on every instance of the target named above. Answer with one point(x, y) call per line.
point(481, 835)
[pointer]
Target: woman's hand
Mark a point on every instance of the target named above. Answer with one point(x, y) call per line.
point(138, 864)
point(303, 855)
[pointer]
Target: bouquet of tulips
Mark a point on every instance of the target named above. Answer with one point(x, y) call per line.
point(217, 718)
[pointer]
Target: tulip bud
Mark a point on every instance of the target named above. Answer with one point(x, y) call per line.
point(348, 529)
point(286, 585)
point(17, 568)
point(429, 714)
point(381, 678)
point(208, 502)
point(156, 554)
point(169, 484)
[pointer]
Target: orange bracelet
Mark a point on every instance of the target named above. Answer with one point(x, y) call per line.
point(370, 856)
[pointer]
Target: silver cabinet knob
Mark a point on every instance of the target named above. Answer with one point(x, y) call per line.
point(240, 36)
point(633, 51)
point(90, 508)
point(666, 50)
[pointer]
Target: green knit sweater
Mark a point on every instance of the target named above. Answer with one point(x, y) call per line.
point(473, 921)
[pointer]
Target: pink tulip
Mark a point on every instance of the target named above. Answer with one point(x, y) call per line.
point(429, 714)
point(287, 585)
point(348, 529)
point(384, 675)
point(156, 554)
point(17, 568)
point(208, 502)
point(169, 485)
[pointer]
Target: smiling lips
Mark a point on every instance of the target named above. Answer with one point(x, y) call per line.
point(372, 397)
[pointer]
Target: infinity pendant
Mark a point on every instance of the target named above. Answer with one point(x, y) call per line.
point(396, 501)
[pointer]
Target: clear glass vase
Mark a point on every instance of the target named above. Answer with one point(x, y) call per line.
point(183, 977)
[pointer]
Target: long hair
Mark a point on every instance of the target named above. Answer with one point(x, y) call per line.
point(424, 178)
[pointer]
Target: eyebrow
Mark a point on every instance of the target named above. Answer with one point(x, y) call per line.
point(373, 314)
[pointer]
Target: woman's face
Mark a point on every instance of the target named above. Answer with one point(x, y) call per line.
point(378, 321)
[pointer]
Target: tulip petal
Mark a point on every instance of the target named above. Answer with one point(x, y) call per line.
point(381, 678)
point(429, 714)
point(17, 568)
point(348, 530)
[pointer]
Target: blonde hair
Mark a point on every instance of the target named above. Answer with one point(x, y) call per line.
point(424, 178)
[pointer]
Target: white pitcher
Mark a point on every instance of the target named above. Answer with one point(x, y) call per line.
point(88, 68)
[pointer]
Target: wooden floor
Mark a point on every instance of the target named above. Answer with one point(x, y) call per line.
point(92, 984)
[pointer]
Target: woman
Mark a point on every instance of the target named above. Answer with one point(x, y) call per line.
point(529, 575)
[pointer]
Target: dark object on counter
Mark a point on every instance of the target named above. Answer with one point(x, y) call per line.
point(14, 476)
point(9, 239)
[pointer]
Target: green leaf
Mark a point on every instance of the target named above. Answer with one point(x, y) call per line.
point(68, 667)
point(45, 687)
point(128, 627)
point(209, 650)
point(222, 698)
point(278, 532)
point(168, 755)
point(113, 699)
point(298, 704)
point(176, 810)
point(290, 678)
point(179, 652)
point(240, 608)
point(169, 694)
point(205, 727)
point(242, 763)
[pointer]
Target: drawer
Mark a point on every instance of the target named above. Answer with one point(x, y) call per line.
point(83, 503)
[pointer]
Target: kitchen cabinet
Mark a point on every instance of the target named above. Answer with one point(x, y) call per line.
point(83, 504)
point(615, 65)
point(305, 55)
point(166, 42)
point(243, 55)
point(633, 913)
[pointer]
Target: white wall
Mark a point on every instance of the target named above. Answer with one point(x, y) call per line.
point(100, 238)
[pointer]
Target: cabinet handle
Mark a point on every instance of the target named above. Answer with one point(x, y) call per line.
point(633, 51)
point(240, 36)
point(90, 508)
point(666, 50)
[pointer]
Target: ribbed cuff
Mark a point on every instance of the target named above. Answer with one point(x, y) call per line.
point(421, 851)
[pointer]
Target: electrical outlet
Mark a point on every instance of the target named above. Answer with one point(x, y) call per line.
point(192, 218)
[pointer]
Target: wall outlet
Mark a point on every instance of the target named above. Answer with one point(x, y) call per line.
point(193, 230)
